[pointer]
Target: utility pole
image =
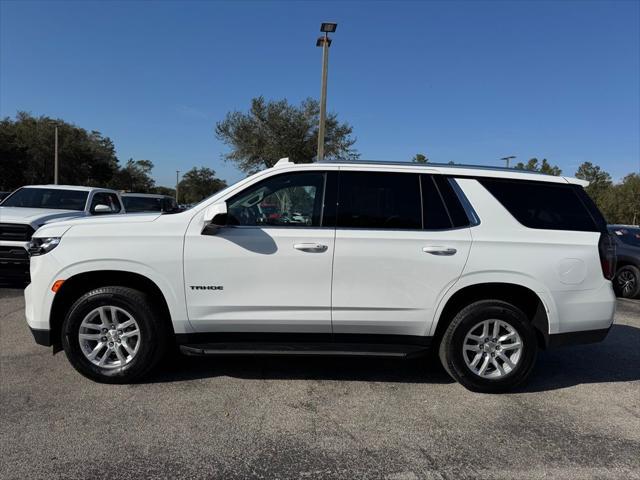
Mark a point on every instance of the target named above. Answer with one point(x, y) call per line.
point(507, 159)
point(325, 43)
point(177, 183)
point(55, 158)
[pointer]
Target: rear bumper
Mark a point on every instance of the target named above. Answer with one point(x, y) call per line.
point(577, 338)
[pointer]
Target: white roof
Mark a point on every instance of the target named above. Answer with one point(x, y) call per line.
point(444, 169)
point(68, 187)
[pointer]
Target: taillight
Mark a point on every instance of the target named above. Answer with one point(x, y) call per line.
point(607, 250)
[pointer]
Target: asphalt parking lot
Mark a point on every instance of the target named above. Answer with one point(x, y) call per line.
point(579, 417)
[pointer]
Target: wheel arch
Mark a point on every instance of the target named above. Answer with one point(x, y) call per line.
point(520, 296)
point(81, 283)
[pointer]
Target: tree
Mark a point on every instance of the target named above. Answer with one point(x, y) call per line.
point(27, 153)
point(199, 183)
point(164, 191)
point(420, 158)
point(621, 203)
point(271, 130)
point(135, 176)
point(544, 167)
point(599, 180)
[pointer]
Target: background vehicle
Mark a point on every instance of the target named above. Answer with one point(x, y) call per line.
point(486, 266)
point(30, 207)
point(148, 202)
point(627, 280)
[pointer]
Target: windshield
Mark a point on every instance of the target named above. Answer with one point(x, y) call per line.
point(630, 236)
point(51, 198)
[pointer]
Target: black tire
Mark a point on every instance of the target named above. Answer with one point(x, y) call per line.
point(451, 346)
point(627, 282)
point(153, 334)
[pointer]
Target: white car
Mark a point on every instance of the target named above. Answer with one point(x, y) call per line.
point(487, 266)
point(28, 208)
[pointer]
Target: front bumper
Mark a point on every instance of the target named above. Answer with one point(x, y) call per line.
point(42, 337)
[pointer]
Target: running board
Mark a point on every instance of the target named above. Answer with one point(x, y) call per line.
point(320, 349)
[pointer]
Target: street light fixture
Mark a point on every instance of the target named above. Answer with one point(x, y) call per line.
point(324, 42)
point(507, 159)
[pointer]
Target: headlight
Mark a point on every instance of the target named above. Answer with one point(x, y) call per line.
point(40, 246)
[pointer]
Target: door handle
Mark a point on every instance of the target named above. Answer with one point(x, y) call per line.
point(439, 250)
point(310, 247)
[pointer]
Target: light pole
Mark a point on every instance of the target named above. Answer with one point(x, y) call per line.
point(177, 183)
point(55, 158)
point(507, 159)
point(324, 42)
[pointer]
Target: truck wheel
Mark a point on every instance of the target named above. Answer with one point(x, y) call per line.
point(490, 346)
point(113, 335)
point(627, 282)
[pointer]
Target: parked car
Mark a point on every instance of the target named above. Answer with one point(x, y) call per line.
point(3, 195)
point(148, 202)
point(30, 207)
point(627, 280)
point(486, 266)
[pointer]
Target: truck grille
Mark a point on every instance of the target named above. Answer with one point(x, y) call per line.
point(15, 232)
point(13, 255)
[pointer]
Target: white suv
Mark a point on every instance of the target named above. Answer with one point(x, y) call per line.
point(28, 208)
point(484, 265)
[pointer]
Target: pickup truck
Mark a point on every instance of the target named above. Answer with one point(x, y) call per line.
point(30, 207)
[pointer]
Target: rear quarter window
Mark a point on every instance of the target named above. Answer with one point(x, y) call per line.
point(543, 205)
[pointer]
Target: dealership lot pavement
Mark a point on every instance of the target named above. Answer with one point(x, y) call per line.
point(579, 417)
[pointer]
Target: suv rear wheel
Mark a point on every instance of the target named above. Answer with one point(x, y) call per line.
point(113, 335)
point(490, 346)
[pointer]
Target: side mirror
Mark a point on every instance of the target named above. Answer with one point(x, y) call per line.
point(215, 217)
point(98, 209)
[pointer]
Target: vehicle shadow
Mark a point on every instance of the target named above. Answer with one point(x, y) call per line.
point(617, 359)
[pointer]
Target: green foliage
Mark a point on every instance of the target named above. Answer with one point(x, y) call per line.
point(535, 166)
point(27, 153)
point(420, 158)
point(620, 203)
point(271, 130)
point(135, 176)
point(599, 180)
point(199, 183)
point(164, 191)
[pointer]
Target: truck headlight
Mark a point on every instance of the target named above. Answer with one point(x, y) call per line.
point(40, 246)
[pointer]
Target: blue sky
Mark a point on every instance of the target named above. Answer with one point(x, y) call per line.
point(468, 81)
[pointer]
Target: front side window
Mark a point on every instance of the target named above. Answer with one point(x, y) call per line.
point(379, 200)
point(105, 198)
point(50, 198)
point(290, 200)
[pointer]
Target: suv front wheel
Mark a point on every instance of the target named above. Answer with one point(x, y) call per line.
point(113, 335)
point(490, 346)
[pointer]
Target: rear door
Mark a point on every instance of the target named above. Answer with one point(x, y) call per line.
point(397, 250)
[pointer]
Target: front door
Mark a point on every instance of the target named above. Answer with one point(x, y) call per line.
point(269, 270)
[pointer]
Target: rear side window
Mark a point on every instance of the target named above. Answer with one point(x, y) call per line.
point(543, 205)
point(379, 200)
point(456, 211)
point(434, 212)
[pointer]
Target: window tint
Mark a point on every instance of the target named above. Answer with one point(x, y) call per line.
point(542, 205)
point(142, 204)
point(47, 198)
point(456, 211)
point(379, 200)
point(434, 213)
point(105, 198)
point(293, 199)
